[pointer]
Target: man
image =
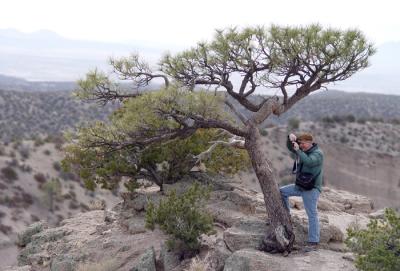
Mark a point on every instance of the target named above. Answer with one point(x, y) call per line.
point(309, 158)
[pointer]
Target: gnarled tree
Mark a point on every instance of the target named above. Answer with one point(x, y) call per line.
point(291, 61)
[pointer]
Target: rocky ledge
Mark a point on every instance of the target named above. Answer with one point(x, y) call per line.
point(117, 239)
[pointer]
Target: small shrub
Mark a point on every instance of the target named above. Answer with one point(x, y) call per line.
point(40, 178)
point(9, 174)
point(344, 139)
point(182, 217)
point(38, 142)
point(57, 166)
point(24, 151)
point(47, 152)
point(25, 168)
point(264, 132)
point(378, 246)
point(293, 124)
point(73, 205)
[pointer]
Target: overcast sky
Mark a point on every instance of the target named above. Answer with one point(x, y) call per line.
point(186, 22)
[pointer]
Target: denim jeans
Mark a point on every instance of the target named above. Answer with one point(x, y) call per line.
point(310, 200)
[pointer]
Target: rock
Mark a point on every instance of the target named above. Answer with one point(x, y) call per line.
point(349, 256)
point(328, 232)
point(379, 214)
point(169, 258)
point(247, 233)
point(136, 225)
point(217, 256)
point(347, 201)
point(342, 221)
point(229, 207)
point(139, 201)
point(146, 261)
point(19, 268)
point(110, 216)
point(25, 237)
point(253, 260)
point(65, 265)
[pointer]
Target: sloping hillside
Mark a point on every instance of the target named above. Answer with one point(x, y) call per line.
point(27, 114)
point(359, 157)
point(33, 187)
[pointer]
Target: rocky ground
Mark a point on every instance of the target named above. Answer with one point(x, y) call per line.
point(116, 239)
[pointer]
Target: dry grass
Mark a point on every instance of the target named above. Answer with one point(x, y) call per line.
point(197, 265)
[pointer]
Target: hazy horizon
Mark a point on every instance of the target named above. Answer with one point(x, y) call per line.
point(47, 56)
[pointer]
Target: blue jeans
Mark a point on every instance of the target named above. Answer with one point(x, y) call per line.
point(310, 200)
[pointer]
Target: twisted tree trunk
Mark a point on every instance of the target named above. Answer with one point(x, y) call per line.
point(281, 237)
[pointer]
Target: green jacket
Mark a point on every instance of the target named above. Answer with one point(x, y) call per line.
point(310, 161)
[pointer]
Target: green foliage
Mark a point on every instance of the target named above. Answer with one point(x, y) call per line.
point(378, 246)
point(100, 157)
point(182, 216)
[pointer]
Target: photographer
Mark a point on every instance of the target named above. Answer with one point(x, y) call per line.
point(308, 167)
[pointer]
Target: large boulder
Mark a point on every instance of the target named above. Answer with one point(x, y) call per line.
point(249, 232)
point(328, 231)
point(246, 233)
point(217, 256)
point(253, 260)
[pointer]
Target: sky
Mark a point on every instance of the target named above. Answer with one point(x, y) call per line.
point(187, 22)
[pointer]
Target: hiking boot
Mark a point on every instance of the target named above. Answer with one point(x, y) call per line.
point(311, 246)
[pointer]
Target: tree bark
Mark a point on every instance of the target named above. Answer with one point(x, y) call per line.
point(281, 237)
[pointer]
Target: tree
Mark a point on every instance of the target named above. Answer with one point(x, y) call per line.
point(292, 61)
point(52, 190)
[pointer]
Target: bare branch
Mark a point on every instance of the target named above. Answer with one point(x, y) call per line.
point(233, 142)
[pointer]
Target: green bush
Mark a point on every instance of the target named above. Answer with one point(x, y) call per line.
point(378, 246)
point(264, 132)
point(182, 217)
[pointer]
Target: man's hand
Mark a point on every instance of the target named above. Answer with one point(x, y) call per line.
point(295, 146)
point(292, 137)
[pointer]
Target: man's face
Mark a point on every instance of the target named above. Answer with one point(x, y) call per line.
point(305, 145)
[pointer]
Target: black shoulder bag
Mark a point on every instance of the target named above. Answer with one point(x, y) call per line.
point(304, 179)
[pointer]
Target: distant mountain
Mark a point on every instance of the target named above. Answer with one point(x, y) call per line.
point(46, 56)
point(18, 84)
